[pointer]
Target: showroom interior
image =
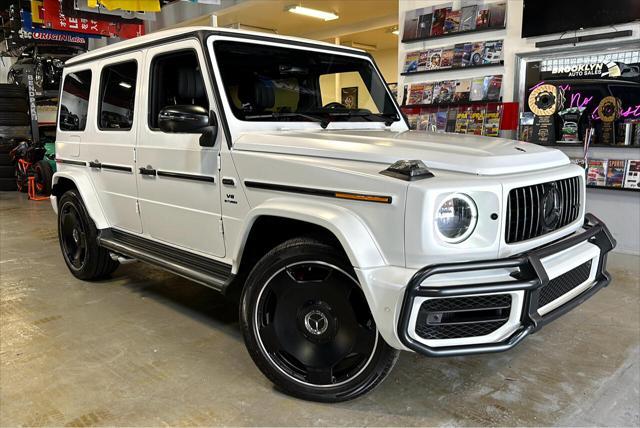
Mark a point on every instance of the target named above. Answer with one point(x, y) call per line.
point(148, 344)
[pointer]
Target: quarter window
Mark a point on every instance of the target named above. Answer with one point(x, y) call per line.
point(75, 101)
point(117, 96)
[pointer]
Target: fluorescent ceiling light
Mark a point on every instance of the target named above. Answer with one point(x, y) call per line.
point(314, 13)
point(363, 46)
point(125, 85)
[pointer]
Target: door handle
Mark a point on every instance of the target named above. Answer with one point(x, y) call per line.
point(147, 171)
point(95, 164)
point(228, 181)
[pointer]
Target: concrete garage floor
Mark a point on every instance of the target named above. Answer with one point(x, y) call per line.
point(149, 348)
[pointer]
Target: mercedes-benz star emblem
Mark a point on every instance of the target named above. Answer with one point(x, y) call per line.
point(551, 207)
point(316, 322)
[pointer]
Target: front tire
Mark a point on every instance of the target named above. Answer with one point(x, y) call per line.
point(78, 240)
point(308, 327)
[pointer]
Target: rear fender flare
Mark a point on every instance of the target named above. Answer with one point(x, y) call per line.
point(87, 193)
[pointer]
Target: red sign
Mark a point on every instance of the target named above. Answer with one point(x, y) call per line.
point(54, 18)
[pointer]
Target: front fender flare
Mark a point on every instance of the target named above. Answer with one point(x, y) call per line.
point(88, 194)
point(350, 230)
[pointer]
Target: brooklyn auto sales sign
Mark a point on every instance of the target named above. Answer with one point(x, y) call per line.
point(599, 69)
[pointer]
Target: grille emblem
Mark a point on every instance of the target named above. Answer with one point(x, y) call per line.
point(551, 207)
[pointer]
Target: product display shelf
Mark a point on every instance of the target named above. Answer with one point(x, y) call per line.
point(453, 104)
point(439, 70)
point(600, 146)
point(454, 34)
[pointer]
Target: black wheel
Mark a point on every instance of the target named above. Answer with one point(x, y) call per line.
point(14, 104)
point(13, 118)
point(43, 175)
point(7, 171)
point(11, 90)
point(308, 327)
point(77, 235)
point(7, 184)
point(21, 178)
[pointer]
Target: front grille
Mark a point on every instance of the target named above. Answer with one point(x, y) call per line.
point(564, 283)
point(457, 317)
point(525, 216)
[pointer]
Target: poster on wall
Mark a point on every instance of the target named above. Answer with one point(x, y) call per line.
point(54, 18)
point(350, 97)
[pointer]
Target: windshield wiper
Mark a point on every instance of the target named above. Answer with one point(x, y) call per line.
point(387, 118)
point(324, 122)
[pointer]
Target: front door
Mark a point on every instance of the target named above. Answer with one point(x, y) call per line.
point(178, 180)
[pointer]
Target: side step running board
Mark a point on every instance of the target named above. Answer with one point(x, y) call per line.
point(195, 267)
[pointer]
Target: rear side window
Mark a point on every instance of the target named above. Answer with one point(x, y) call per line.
point(75, 101)
point(117, 96)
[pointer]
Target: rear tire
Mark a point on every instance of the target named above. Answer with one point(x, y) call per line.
point(14, 104)
point(78, 240)
point(308, 327)
point(43, 177)
point(13, 118)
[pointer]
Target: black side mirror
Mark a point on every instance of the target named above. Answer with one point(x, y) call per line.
point(183, 118)
point(210, 133)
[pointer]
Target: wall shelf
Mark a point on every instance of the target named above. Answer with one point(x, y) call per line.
point(453, 104)
point(580, 145)
point(457, 33)
point(438, 70)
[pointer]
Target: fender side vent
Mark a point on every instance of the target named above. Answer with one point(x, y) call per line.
point(408, 170)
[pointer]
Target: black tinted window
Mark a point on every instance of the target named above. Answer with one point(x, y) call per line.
point(75, 101)
point(117, 96)
point(176, 78)
point(270, 83)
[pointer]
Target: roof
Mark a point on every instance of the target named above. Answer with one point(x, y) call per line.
point(159, 35)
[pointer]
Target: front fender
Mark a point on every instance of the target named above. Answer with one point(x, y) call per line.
point(355, 237)
point(87, 192)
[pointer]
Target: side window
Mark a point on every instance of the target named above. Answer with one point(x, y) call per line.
point(117, 96)
point(176, 79)
point(75, 101)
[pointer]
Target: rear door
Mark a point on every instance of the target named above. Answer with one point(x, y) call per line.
point(178, 185)
point(110, 139)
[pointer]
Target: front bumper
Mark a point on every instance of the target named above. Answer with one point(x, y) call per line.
point(531, 272)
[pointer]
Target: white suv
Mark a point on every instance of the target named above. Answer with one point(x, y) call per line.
point(230, 158)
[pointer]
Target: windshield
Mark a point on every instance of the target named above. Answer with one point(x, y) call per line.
point(269, 83)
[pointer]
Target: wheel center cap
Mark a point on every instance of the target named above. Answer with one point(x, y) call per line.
point(76, 235)
point(316, 322)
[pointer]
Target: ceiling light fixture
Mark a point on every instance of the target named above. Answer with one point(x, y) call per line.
point(125, 85)
point(314, 13)
point(363, 46)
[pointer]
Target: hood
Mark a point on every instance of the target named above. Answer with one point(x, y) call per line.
point(452, 152)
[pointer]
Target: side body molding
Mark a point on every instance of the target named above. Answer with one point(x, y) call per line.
point(88, 194)
point(352, 232)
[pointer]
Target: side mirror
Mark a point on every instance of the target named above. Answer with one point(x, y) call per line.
point(183, 118)
point(210, 133)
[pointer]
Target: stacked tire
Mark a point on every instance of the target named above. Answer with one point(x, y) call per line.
point(14, 112)
point(14, 105)
point(7, 167)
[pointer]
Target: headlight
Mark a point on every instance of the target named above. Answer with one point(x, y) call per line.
point(456, 218)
